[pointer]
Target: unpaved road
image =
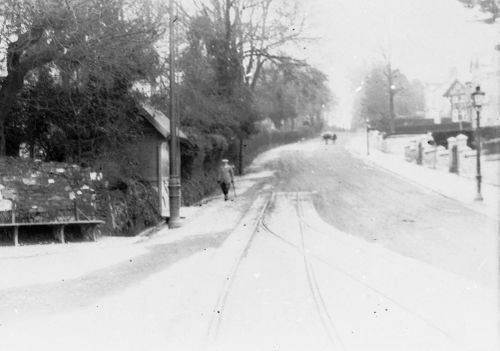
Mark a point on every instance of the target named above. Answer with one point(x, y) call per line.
point(329, 254)
point(380, 207)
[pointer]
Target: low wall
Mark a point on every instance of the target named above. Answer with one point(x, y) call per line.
point(45, 191)
point(463, 163)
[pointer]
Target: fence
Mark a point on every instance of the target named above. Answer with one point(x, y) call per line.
point(456, 158)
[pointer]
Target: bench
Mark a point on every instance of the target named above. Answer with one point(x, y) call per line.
point(88, 226)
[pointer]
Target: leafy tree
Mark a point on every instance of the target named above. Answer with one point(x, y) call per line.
point(289, 91)
point(491, 7)
point(373, 101)
point(85, 43)
point(214, 99)
point(65, 124)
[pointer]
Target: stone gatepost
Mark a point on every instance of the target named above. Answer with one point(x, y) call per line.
point(442, 156)
point(462, 142)
point(453, 155)
point(420, 153)
point(464, 161)
point(430, 152)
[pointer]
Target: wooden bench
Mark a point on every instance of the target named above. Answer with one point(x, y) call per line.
point(88, 227)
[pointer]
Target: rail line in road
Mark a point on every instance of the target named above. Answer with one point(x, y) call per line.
point(217, 316)
point(257, 221)
point(325, 316)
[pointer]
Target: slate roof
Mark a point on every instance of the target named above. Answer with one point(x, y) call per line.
point(159, 121)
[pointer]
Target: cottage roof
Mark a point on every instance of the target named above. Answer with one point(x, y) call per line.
point(159, 121)
point(456, 88)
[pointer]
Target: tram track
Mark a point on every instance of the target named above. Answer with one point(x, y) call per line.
point(312, 281)
point(321, 308)
point(218, 311)
point(259, 223)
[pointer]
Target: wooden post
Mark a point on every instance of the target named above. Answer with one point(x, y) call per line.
point(59, 233)
point(15, 232)
point(92, 231)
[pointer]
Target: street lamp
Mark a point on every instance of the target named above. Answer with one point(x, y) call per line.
point(392, 92)
point(478, 101)
point(367, 137)
point(174, 182)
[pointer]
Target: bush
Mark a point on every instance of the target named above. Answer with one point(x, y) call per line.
point(200, 163)
point(128, 207)
point(492, 146)
point(127, 202)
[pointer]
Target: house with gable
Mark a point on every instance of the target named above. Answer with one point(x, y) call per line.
point(458, 94)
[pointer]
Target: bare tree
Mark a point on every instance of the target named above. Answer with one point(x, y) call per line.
point(259, 30)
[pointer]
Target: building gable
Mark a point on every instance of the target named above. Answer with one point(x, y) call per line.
point(456, 89)
point(159, 121)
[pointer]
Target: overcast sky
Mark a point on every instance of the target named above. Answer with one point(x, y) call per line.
point(426, 39)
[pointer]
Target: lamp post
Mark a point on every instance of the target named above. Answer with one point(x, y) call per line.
point(392, 92)
point(477, 101)
point(174, 181)
point(367, 137)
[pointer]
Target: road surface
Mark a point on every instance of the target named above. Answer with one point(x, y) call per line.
point(326, 254)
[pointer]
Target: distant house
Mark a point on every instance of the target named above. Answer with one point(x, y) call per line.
point(485, 74)
point(153, 152)
point(458, 94)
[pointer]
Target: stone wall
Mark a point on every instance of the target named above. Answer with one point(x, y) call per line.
point(38, 192)
point(457, 158)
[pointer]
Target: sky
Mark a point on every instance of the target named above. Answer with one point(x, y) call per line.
point(425, 39)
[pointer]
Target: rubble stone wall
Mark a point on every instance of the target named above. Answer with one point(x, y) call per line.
point(40, 192)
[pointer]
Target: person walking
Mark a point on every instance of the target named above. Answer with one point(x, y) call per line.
point(225, 177)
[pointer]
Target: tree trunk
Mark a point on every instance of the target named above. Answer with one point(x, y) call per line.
point(19, 62)
point(240, 158)
point(32, 148)
point(11, 86)
point(2, 139)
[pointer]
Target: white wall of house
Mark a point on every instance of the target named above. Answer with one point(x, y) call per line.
point(437, 106)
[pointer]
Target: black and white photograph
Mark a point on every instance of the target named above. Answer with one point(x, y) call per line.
point(249, 175)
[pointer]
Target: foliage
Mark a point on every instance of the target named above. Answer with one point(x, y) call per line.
point(71, 125)
point(89, 45)
point(373, 103)
point(288, 91)
point(491, 7)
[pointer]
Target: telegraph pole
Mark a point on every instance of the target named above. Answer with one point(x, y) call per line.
point(174, 181)
point(391, 97)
